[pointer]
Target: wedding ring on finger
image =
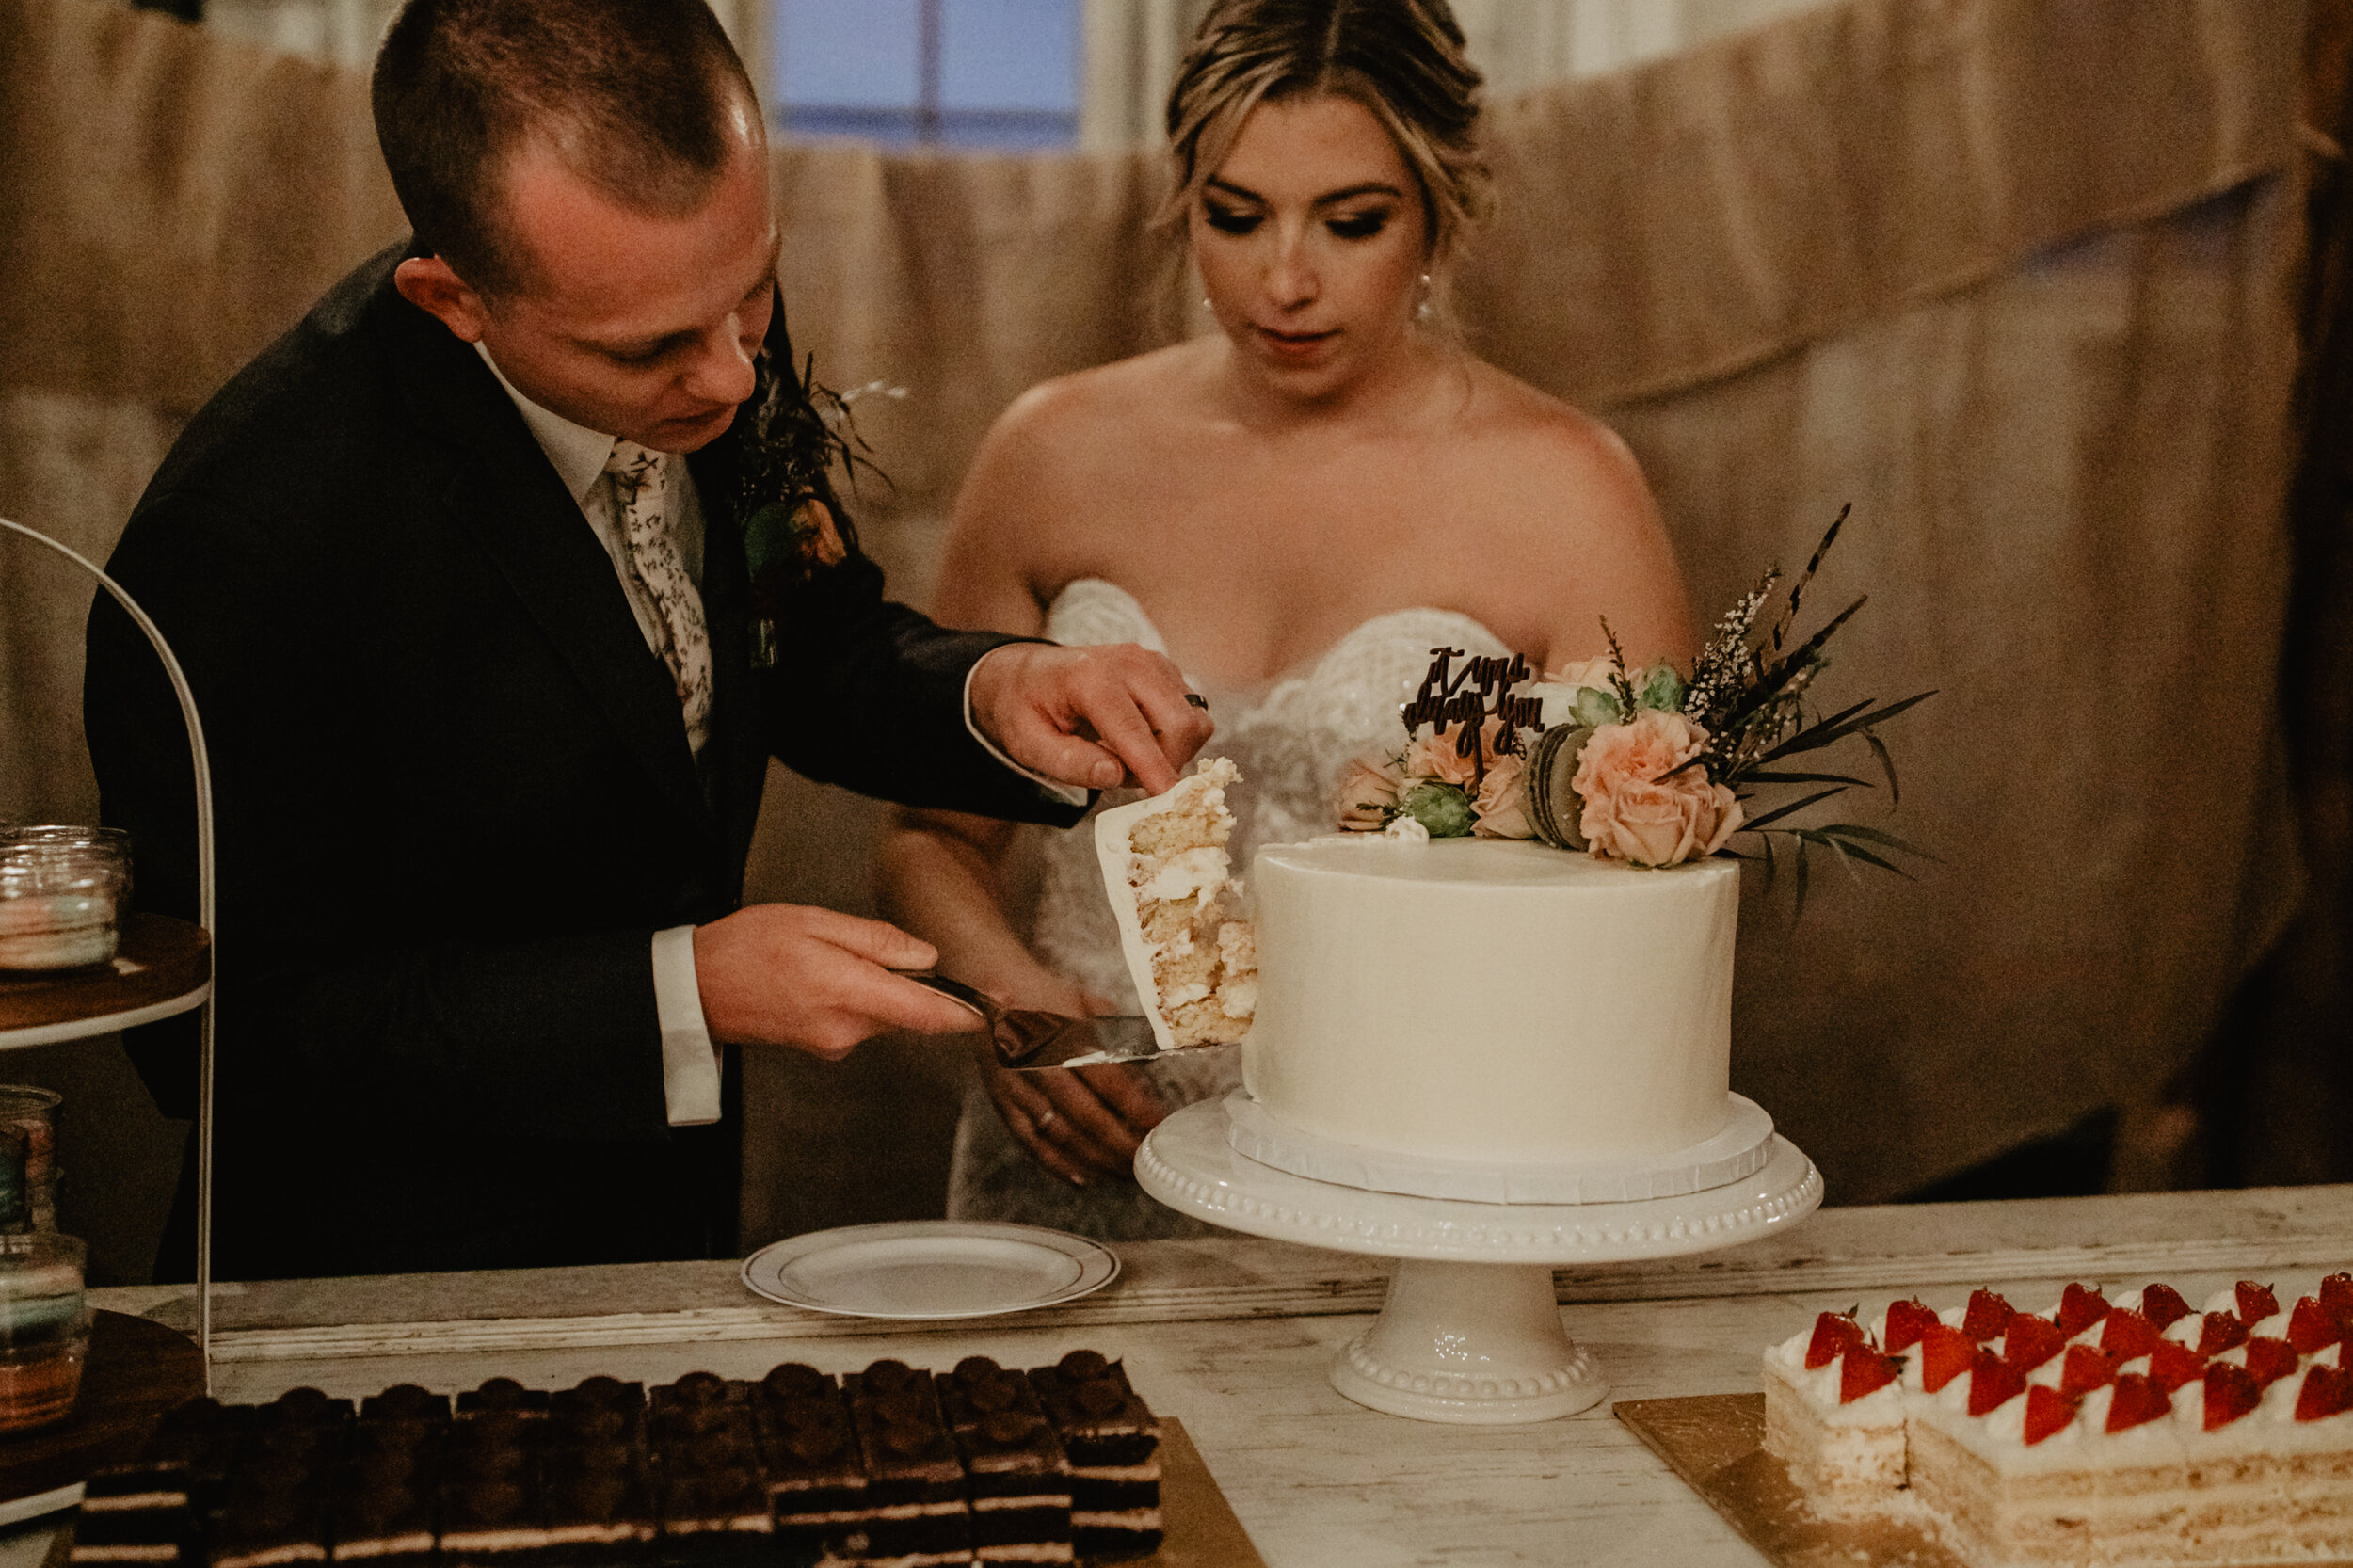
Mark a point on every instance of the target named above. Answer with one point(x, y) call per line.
point(1045, 1123)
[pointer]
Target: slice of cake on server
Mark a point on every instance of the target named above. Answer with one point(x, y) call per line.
point(1190, 948)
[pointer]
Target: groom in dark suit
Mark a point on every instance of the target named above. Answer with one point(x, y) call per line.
point(498, 580)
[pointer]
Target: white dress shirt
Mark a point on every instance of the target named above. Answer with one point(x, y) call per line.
point(690, 1064)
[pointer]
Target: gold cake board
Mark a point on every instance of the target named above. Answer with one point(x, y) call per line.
point(1716, 1442)
point(1198, 1526)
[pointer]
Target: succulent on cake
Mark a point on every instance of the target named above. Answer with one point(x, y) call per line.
point(1637, 764)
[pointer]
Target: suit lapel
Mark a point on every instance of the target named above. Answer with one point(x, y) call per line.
point(735, 757)
point(507, 499)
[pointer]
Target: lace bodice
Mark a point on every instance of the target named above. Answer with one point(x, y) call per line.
point(1292, 739)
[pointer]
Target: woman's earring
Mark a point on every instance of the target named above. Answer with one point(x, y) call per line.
point(1422, 311)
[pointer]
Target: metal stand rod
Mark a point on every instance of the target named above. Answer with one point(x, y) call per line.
point(204, 917)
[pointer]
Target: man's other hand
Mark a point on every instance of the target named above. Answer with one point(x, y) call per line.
point(787, 974)
point(1096, 717)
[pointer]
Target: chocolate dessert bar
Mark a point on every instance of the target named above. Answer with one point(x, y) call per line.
point(275, 1509)
point(808, 1450)
point(599, 1505)
point(135, 1513)
point(713, 1507)
point(492, 1507)
point(1113, 1443)
point(1014, 1472)
point(916, 1512)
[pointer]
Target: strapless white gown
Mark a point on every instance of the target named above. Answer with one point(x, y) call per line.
point(1292, 737)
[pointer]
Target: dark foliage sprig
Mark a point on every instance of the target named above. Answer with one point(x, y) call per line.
point(1751, 698)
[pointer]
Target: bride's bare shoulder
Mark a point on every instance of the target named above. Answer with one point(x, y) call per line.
point(1525, 434)
point(1058, 419)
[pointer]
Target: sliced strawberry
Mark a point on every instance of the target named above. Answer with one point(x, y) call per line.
point(2084, 1371)
point(2231, 1393)
point(2270, 1360)
point(1988, 1317)
point(2336, 1292)
point(2255, 1303)
point(2171, 1366)
point(2163, 1306)
point(1992, 1381)
point(2047, 1410)
point(2326, 1391)
point(2220, 1332)
point(1906, 1322)
point(1834, 1333)
point(2031, 1341)
point(1864, 1370)
point(2135, 1400)
point(2127, 1335)
point(2311, 1327)
point(1945, 1352)
point(2080, 1306)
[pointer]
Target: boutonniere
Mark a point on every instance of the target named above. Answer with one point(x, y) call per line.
point(800, 429)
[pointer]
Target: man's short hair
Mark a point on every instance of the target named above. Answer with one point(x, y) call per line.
point(634, 95)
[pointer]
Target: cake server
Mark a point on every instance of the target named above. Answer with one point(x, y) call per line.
point(1030, 1041)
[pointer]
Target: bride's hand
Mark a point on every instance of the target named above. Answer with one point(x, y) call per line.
point(1080, 1124)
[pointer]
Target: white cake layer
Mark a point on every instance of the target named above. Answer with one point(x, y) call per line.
point(1492, 999)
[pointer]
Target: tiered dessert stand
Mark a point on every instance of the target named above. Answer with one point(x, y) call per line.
point(135, 1368)
point(1471, 1329)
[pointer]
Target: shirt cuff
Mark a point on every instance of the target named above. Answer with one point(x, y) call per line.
point(690, 1064)
point(1068, 794)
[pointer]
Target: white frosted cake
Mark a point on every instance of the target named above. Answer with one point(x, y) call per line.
point(1492, 1000)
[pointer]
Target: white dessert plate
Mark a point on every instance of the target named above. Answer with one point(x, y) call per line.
point(930, 1269)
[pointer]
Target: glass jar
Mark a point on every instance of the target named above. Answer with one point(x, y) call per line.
point(29, 1159)
point(62, 893)
point(44, 1330)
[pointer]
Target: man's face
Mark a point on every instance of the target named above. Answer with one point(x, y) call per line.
point(635, 326)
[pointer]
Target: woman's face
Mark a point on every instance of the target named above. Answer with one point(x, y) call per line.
point(1311, 241)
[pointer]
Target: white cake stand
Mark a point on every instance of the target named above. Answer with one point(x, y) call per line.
point(1471, 1331)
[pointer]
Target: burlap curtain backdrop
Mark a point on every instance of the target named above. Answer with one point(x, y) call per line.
point(2014, 277)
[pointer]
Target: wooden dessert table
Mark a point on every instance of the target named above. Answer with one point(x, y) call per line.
point(1232, 1337)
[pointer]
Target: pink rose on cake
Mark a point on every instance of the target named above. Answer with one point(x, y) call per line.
point(1431, 755)
point(1633, 811)
point(1368, 796)
point(1502, 802)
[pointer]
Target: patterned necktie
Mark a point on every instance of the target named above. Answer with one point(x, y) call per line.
point(638, 486)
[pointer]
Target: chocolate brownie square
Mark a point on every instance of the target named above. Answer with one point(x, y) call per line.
point(1113, 1443)
point(916, 1513)
point(1014, 1472)
point(136, 1515)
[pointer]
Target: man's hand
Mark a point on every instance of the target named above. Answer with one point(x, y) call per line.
point(1096, 717)
point(785, 974)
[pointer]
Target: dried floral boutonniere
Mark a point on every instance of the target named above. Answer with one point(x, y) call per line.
point(800, 430)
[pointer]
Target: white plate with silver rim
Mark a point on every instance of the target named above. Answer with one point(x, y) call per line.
point(930, 1269)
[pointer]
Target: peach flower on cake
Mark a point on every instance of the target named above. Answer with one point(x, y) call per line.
point(1368, 795)
point(1501, 804)
point(1435, 756)
point(1633, 811)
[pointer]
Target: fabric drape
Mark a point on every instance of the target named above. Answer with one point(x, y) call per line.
point(2017, 277)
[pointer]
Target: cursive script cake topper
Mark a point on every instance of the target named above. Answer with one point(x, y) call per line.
point(1479, 690)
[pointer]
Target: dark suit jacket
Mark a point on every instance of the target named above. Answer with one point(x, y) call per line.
point(454, 800)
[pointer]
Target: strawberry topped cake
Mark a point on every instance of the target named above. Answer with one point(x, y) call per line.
point(2126, 1429)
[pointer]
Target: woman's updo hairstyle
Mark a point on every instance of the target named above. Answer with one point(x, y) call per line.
point(1401, 59)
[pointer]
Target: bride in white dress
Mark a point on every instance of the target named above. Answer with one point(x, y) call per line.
point(1296, 508)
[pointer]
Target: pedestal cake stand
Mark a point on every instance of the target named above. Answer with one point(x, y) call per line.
point(1470, 1332)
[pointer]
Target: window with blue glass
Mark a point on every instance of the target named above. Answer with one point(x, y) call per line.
point(945, 72)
